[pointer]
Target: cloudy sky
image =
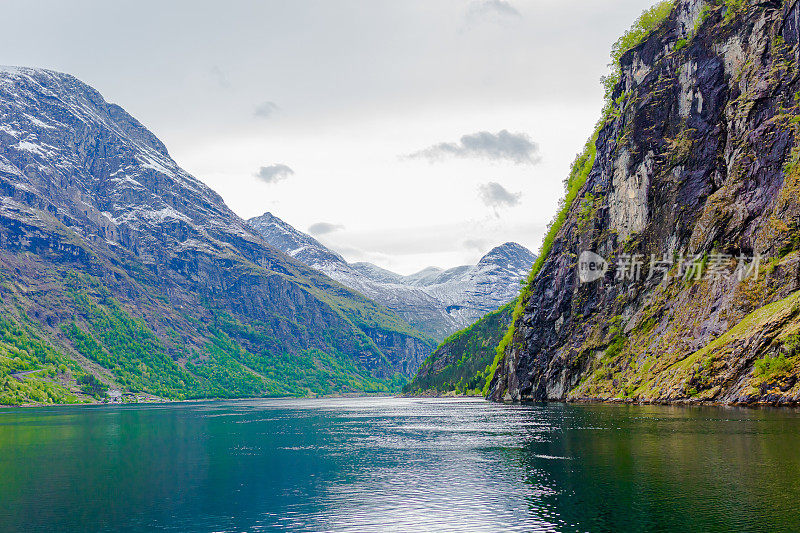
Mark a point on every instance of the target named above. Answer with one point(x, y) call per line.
point(407, 133)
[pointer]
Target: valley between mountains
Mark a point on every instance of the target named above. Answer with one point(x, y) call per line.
point(122, 276)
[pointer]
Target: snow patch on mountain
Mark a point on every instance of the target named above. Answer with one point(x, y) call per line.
point(436, 301)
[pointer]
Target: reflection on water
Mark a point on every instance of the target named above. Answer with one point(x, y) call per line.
point(385, 464)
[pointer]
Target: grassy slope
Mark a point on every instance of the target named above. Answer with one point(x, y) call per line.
point(769, 333)
point(45, 371)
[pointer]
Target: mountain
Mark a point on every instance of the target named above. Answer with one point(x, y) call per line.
point(459, 364)
point(119, 269)
point(435, 301)
point(692, 176)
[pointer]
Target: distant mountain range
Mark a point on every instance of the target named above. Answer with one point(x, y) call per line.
point(435, 301)
point(120, 270)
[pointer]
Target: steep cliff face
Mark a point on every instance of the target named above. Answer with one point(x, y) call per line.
point(696, 168)
point(435, 301)
point(112, 252)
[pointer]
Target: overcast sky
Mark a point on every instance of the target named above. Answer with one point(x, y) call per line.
point(408, 133)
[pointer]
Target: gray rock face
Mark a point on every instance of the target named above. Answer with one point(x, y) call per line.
point(698, 159)
point(435, 301)
point(85, 187)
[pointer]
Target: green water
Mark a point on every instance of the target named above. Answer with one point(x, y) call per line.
point(398, 465)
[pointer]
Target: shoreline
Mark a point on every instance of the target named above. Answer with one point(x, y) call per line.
point(584, 401)
point(619, 401)
point(161, 401)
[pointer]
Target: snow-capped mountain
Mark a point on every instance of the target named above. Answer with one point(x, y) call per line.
point(435, 301)
point(101, 229)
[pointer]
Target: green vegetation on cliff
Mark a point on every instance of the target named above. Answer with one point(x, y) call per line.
point(116, 350)
point(579, 172)
point(458, 363)
point(317, 372)
point(30, 369)
point(636, 34)
point(681, 177)
point(581, 166)
point(130, 278)
point(140, 362)
point(127, 347)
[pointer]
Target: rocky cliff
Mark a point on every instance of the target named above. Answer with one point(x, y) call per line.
point(435, 301)
point(124, 267)
point(692, 177)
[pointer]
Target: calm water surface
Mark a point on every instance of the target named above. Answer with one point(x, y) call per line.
point(385, 464)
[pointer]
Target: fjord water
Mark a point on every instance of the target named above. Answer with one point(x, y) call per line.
point(388, 464)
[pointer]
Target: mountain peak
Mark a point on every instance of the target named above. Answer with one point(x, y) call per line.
point(294, 243)
point(510, 255)
point(436, 301)
point(509, 247)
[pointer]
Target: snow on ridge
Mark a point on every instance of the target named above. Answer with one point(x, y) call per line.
point(7, 128)
point(22, 88)
point(33, 148)
point(10, 169)
point(447, 299)
point(15, 69)
point(146, 161)
point(37, 122)
point(165, 213)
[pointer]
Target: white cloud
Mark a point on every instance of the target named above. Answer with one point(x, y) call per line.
point(501, 8)
point(265, 109)
point(323, 228)
point(501, 146)
point(274, 173)
point(496, 196)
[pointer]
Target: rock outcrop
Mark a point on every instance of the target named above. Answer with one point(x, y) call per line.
point(696, 174)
